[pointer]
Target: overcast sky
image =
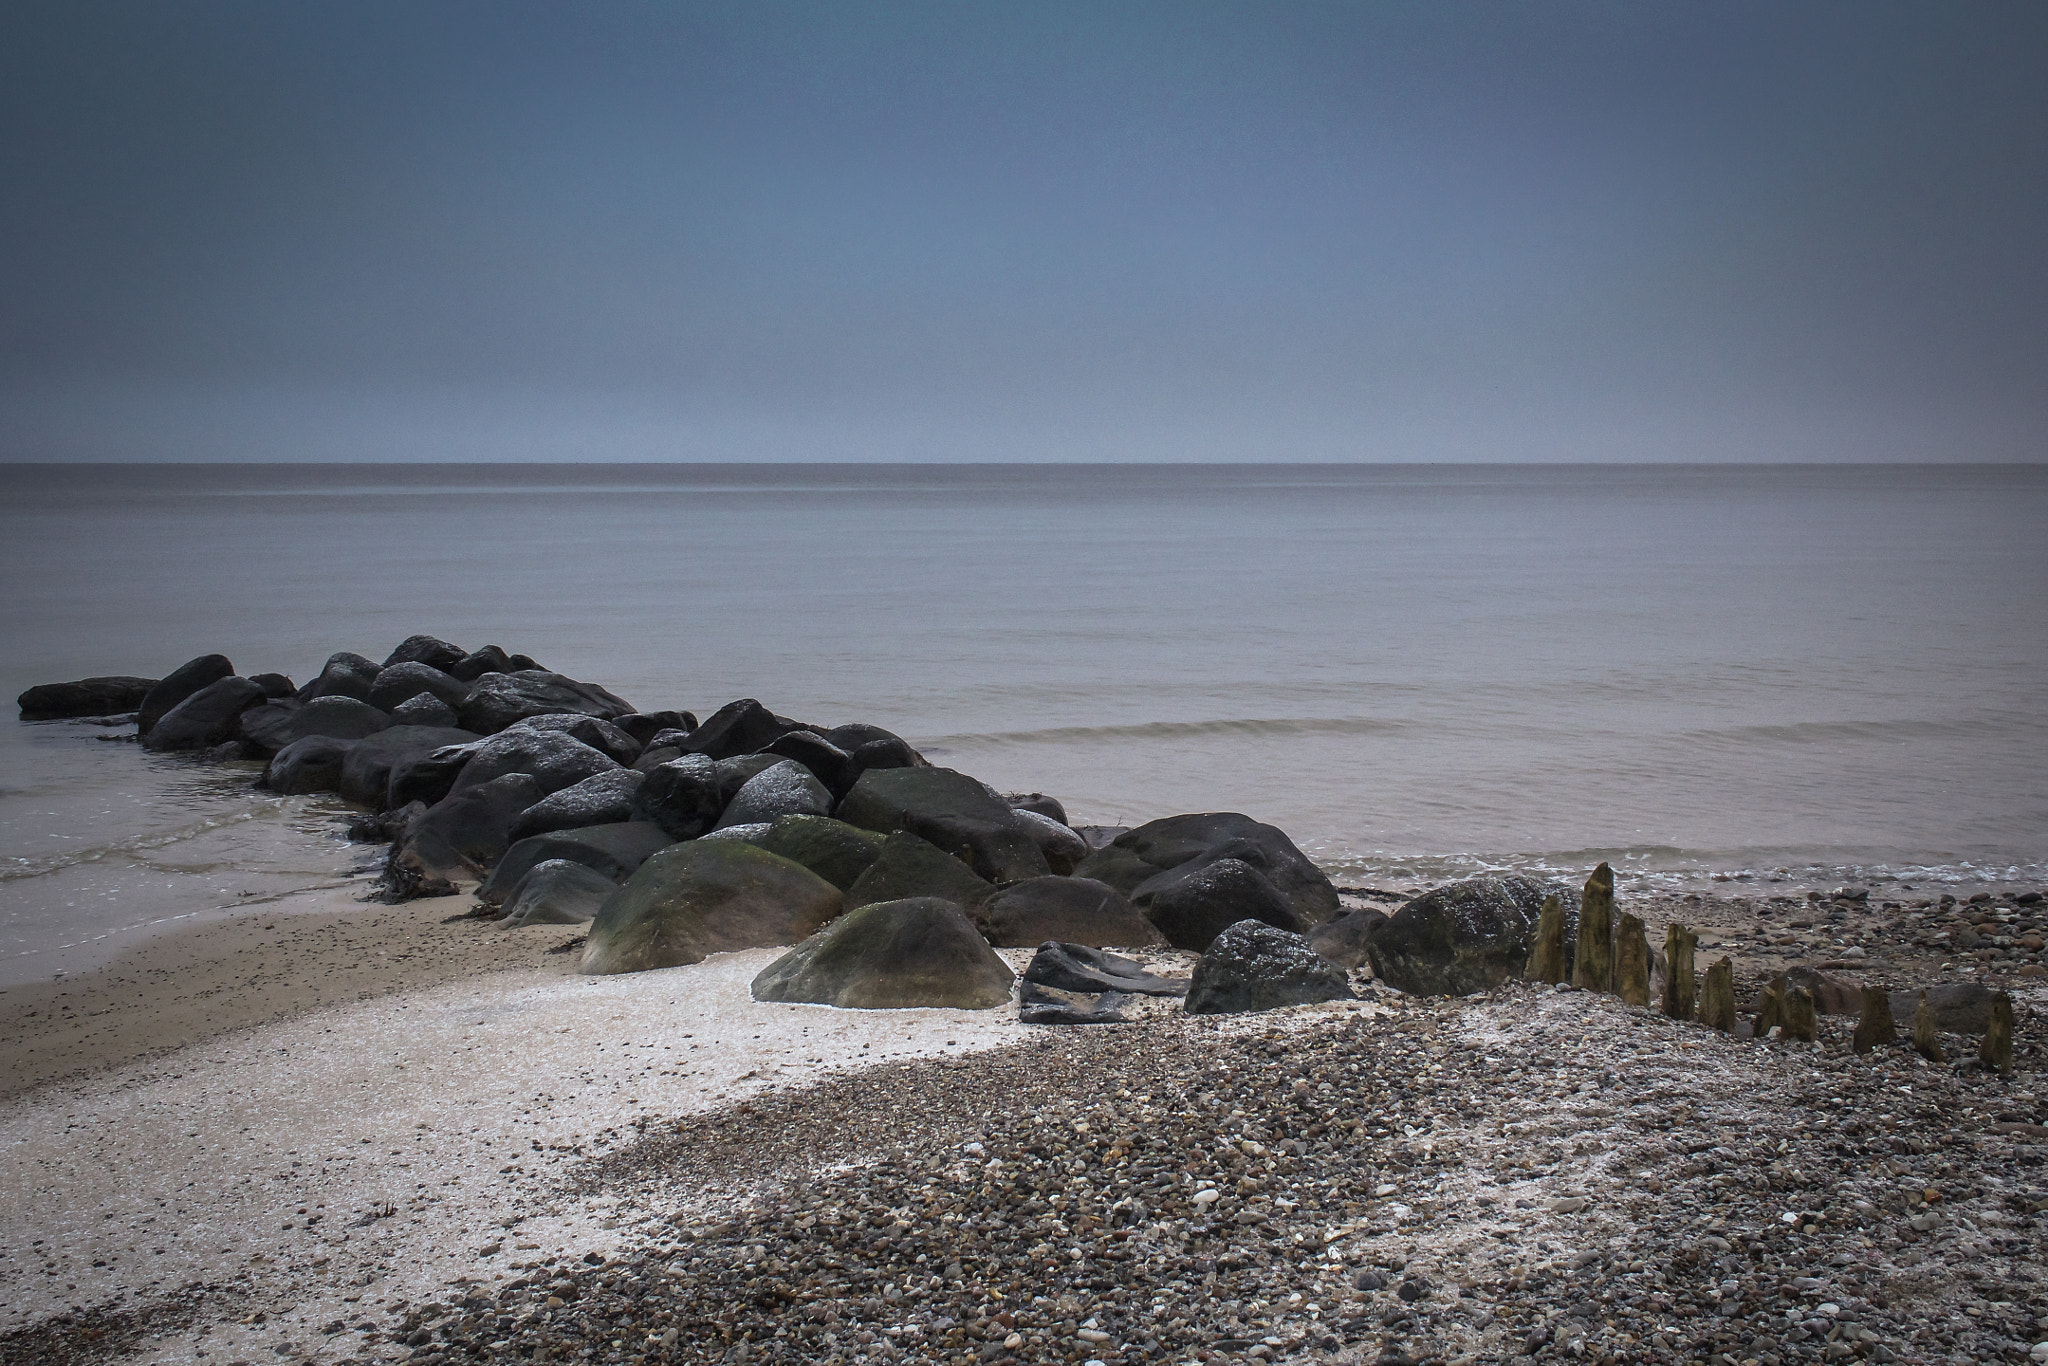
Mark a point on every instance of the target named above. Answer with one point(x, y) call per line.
point(959, 231)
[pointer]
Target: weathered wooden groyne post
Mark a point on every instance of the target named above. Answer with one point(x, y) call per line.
point(1593, 958)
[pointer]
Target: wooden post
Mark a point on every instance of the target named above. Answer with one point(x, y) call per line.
point(1799, 1018)
point(1770, 1008)
point(1717, 997)
point(1632, 961)
point(1996, 1050)
point(1926, 1036)
point(1593, 961)
point(1546, 960)
point(1875, 1025)
point(1680, 944)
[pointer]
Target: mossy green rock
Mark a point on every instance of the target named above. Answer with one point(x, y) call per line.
point(908, 866)
point(892, 955)
point(702, 897)
point(834, 850)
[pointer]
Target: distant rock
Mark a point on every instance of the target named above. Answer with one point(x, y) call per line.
point(345, 674)
point(909, 867)
point(645, 725)
point(107, 696)
point(742, 727)
point(1465, 937)
point(1138, 856)
point(1037, 803)
point(435, 653)
point(1253, 966)
point(1063, 849)
point(601, 799)
point(892, 955)
point(703, 897)
point(1076, 910)
point(176, 686)
point(556, 892)
point(404, 681)
point(207, 718)
point(275, 685)
point(477, 663)
point(496, 701)
point(613, 850)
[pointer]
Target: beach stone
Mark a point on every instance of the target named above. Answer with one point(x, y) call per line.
point(404, 681)
point(702, 897)
point(784, 788)
point(106, 696)
point(603, 736)
point(908, 867)
point(892, 955)
point(951, 810)
point(556, 892)
point(1957, 1007)
point(1717, 997)
point(1797, 1014)
point(681, 796)
point(497, 701)
point(207, 718)
point(179, 684)
point(834, 850)
point(1085, 968)
point(1631, 961)
point(613, 850)
point(425, 709)
point(345, 674)
point(741, 727)
point(1926, 1032)
point(1172, 842)
point(431, 651)
point(1344, 940)
point(601, 799)
point(1831, 995)
point(462, 837)
point(1465, 937)
point(1593, 952)
point(265, 729)
point(1194, 903)
point(828, 763)
point(1254, 966)
point(643, 726)
point(1874, 1025)
point(343, 717)
point(1995, 1051)
point(305, 767)
point(366, 773)
point(1680, 946)
point(1076, 910)
point(477, 663)
point(557, 760)
point(1062, 848)
point(1039, 1005)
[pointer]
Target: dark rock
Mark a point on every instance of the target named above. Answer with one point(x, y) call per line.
point(345, 674)
point(654, 756)
point(784, 788)
point(1680, 945)
point(892, 955)
point(85, 697)
point(436, 654)
point(828, 763)
point(265, 729)
point(179, 684)
point(1102, 836)
point(703, 897)
point(1343, 940)
point(1038, 1005)
point(343, 718)
point(275, 685)
point(1831, 995)
point(750, 832)
point(1062, 848)
point(556, 892)
point(953, 812)
point(681, 796)
point(1136, 856)
point(1957, 1008)
point(601, 799)
point(307, 766)
point(207, 718)
point(1593, 946)
point(886, 753)
point(1037, 803)
point(461, 837)
point(1194, 903)
point(402, 682)
point(614, 850)
point(1254, 966)
point(853, 735)
point(1466, 937)
point(601, 735)
point(741, 727)
point(834, 850)
point(556, 759)
point(497, 701)
point(426, 777)
point(1080, 967)
point(643, 726)
point(425, 709)
point(1075, 910)
point(736, 772)
point(477, 663)
point(525, 662)
point(910, 867)
point(366, 774)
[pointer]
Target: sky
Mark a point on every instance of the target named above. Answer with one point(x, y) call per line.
point(1502, 231)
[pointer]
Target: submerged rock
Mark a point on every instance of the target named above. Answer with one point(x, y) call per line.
point(1254, 966)
point(207, 718)
point(179, 684)
point(703, 897)
point(107, 696)
point(892, 955)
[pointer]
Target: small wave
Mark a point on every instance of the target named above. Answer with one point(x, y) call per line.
point(1174, 730)
point(1874, 732)
point(18, 868)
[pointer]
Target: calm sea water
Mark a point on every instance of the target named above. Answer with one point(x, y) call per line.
point(1417, 671)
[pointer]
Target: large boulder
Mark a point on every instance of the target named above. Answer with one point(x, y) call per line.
point(702, 897)
point(909, 867)
point(345, 674)
point(366, 773)
point(1959, 1007)
point(556, 759)
point(682, 796)
point(892, 955)
point(830, 764)
point(952, 811)
point(645, 725)
point(209, 717)
point(834, 850)
point(1195, 902)
point(1343, 940)
point(307, 766)
point(402, 682)
point(736, 772)
point(1466, 937)
point(602, 799)
point(1135, 857)
point(107, 696)
point(428, 650)
point(474, 665)
point(424, 709)
point(496, 701)
point(741, 727)
point(784, 788)
point(1075, 910)
point(343, 718)
point(1254, 966)
point(461, 837)
point(427, 777)
point(1079, 967)
point(614, 850)
point(556, 892)
point(601, 735)
point(1063, 848)
point(179, 684)
point(265, 729)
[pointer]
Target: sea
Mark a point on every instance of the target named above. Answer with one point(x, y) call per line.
point(1781, 676)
